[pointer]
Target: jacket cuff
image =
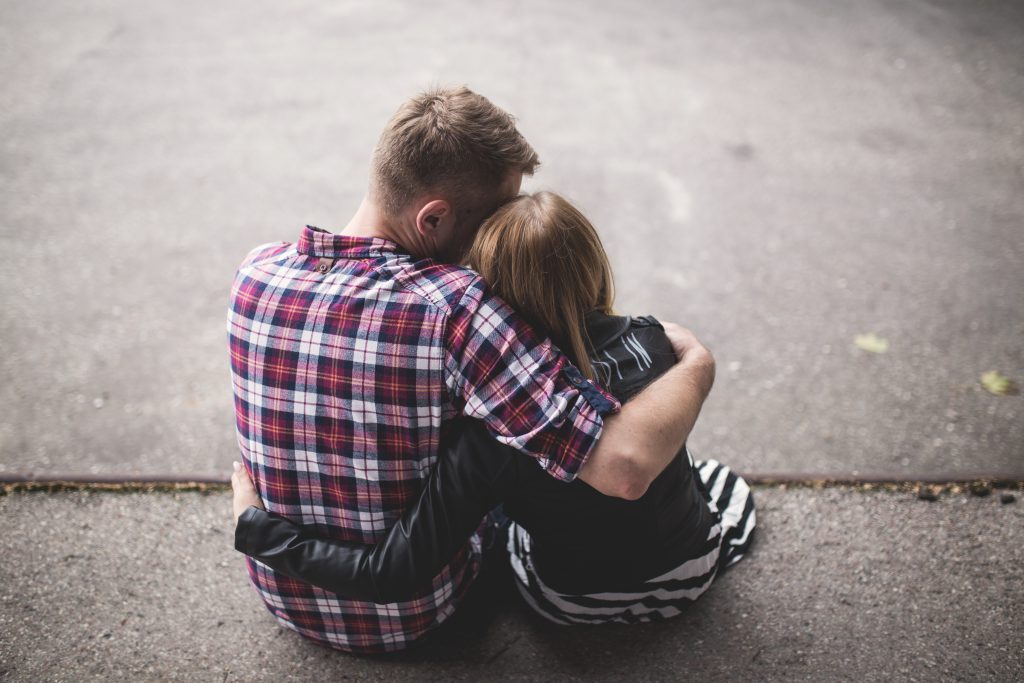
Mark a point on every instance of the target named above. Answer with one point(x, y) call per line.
point(245, 522)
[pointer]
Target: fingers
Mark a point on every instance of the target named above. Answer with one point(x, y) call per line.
point(682, 339)
point(244, 493)
point(241, 483)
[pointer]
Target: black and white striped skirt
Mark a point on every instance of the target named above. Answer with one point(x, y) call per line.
point(729, 498)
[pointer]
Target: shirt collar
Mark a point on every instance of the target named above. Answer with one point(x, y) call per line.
point(603, 329)
point(318, 242)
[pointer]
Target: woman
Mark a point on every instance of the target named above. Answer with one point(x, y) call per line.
point(578, 556)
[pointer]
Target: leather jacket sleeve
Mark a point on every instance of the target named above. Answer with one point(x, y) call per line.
point(472, 475)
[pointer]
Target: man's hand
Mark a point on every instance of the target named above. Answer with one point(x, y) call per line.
point(244, 492)
point(683, 340)
point(639, 441)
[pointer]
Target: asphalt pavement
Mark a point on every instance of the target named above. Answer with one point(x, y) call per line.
point(841, 585)
point(781, 177)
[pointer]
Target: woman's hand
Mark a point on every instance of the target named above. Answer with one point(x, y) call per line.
point(244, 491)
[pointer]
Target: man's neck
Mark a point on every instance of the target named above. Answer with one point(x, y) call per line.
point(370, 221)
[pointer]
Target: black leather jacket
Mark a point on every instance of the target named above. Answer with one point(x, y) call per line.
point(583, 541)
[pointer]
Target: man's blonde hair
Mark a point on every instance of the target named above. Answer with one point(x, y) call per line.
point(447, 140)
point(540, 254)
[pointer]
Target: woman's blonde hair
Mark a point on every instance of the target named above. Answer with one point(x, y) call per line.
point(542, 256)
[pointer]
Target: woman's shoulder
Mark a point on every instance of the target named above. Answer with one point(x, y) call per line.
point(628, 351)
point(605, 329)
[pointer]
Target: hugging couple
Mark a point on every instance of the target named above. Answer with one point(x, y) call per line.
point(447, 373)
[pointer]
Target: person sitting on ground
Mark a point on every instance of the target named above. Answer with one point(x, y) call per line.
point(579, 557)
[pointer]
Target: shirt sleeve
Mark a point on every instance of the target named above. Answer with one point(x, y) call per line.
point(525, 390)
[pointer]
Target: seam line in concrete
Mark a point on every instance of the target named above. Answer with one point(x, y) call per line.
point(153, 483)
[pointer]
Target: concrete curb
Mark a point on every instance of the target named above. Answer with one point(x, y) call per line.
point(29, 483)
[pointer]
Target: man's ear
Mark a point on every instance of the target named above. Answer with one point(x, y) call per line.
point(432, 217)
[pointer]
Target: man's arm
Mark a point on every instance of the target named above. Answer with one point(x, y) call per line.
point(533, 399)
point(647, 433)
point(500, 370)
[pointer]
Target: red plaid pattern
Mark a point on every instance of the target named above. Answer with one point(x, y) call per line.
point(347, 357)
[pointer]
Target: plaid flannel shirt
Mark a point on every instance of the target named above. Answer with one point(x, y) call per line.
point(347, 357)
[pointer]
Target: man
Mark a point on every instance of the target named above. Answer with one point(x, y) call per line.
point(350, 351)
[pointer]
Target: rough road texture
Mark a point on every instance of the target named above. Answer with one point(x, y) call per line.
point(779, 176)
point(842, 585)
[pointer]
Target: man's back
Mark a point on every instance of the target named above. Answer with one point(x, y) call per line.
point(347, 356)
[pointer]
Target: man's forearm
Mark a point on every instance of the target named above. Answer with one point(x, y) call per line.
point(643, 438)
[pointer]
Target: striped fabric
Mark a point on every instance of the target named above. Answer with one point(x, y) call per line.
point(347, 358)
point(729, 498)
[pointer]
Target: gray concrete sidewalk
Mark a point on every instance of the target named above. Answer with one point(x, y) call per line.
point(842, 585)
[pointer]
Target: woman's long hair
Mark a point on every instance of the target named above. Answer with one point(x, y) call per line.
point(542, 256)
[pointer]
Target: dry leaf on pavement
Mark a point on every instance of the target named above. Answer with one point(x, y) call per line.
point(871, 342)
point(997, 384)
